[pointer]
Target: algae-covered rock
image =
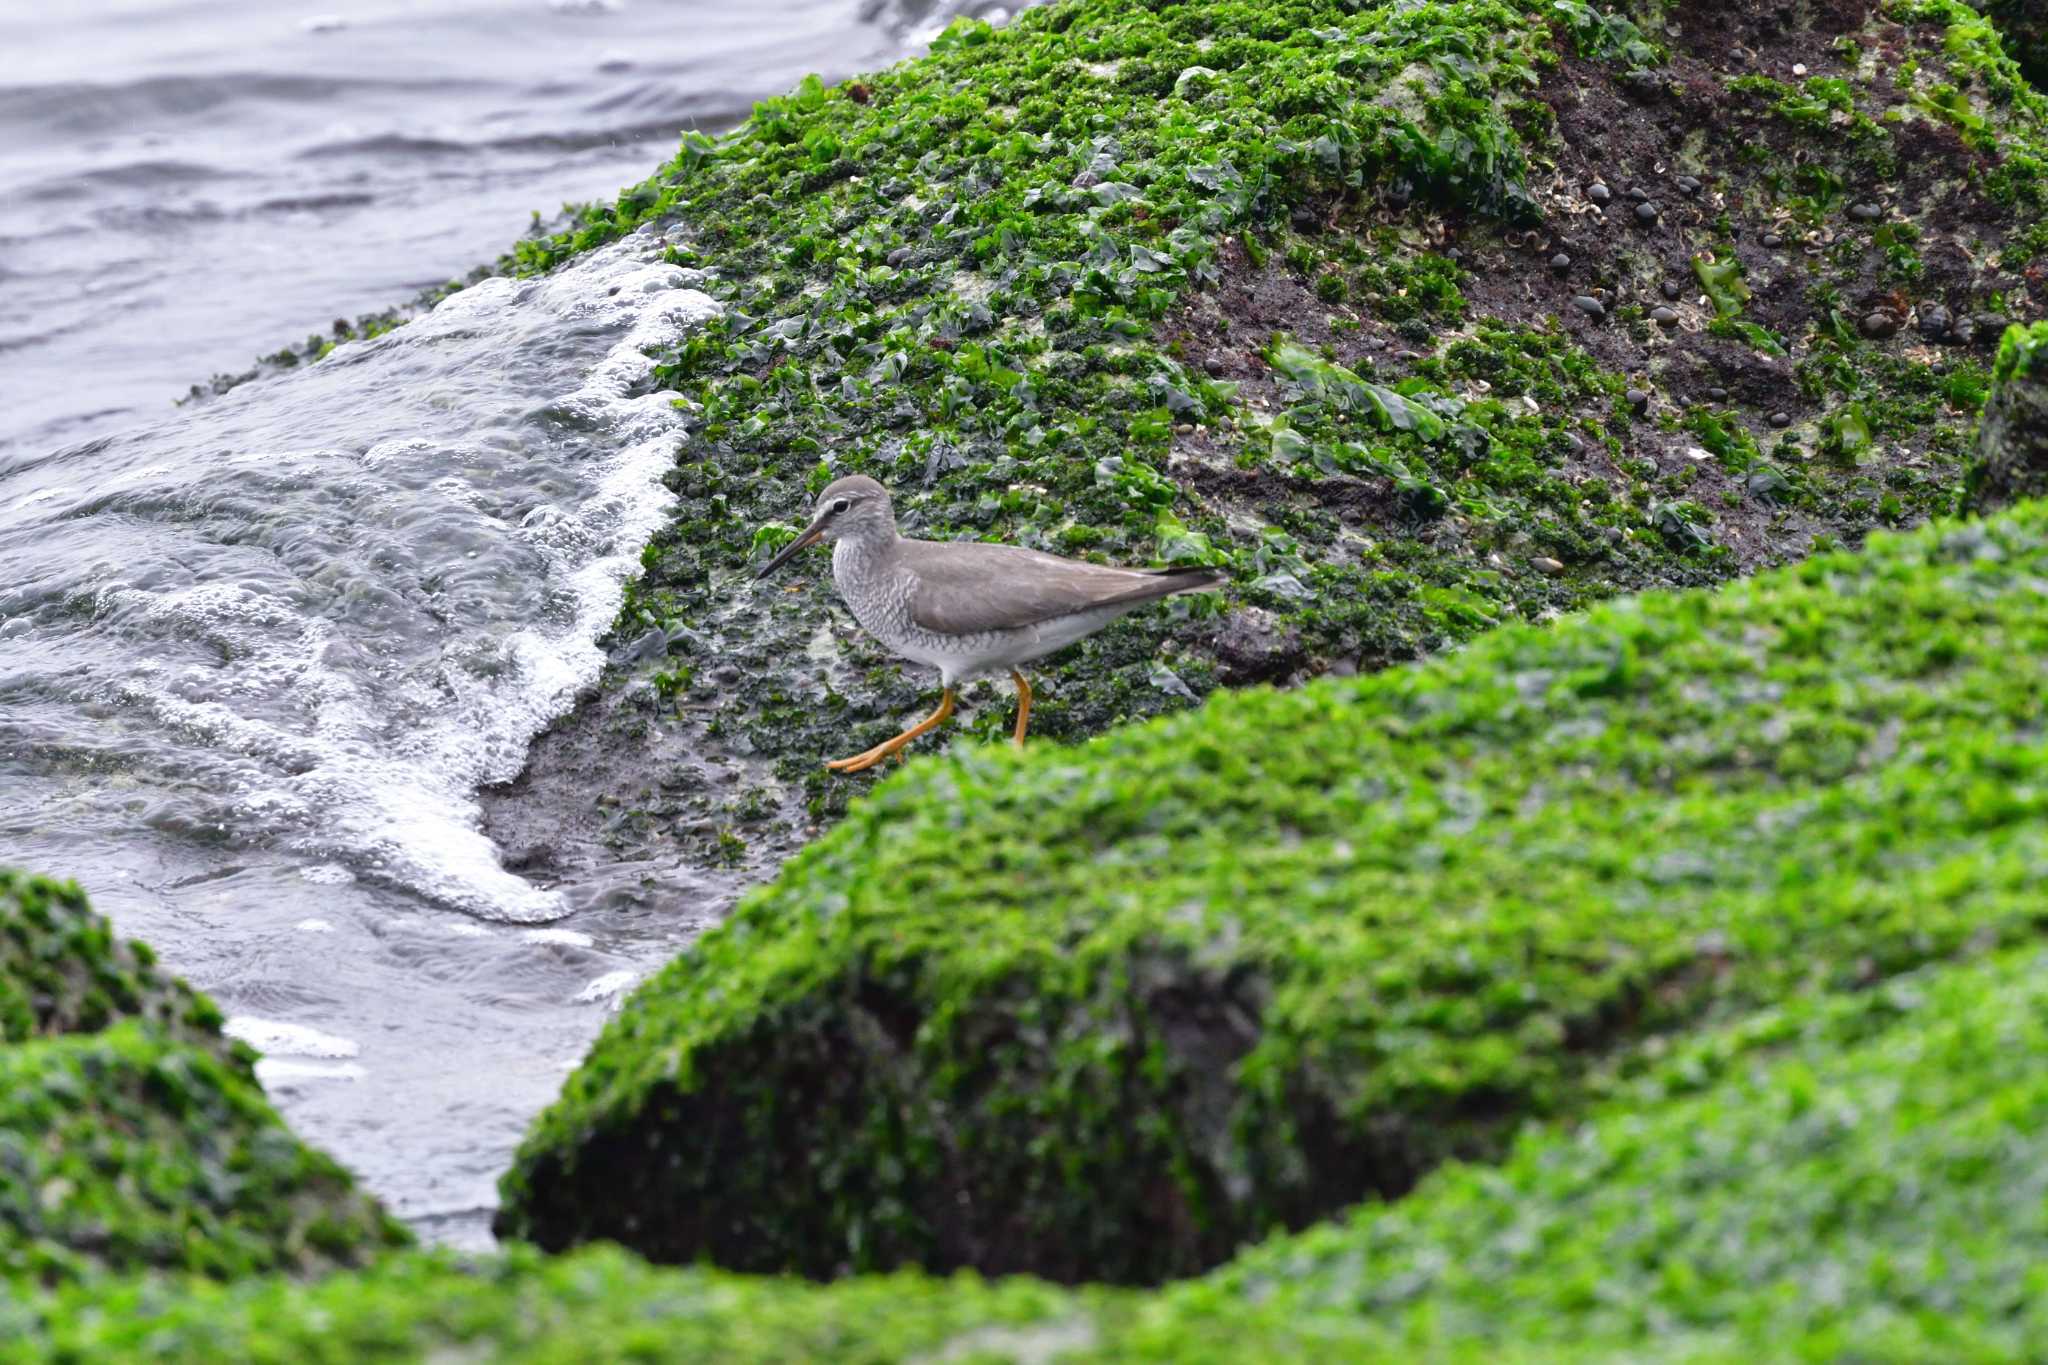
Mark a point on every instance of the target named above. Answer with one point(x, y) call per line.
point(1110, 1012)
point(1855, 1177)
point(133, 1135)
point(2024, 25)
point(2012, 440)
point(126, 1150)
point(1417, 319)
point(596, 1305)
point(1857, 1180)
point(62, 970)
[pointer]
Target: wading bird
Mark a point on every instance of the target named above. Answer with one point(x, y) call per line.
point(965, 607)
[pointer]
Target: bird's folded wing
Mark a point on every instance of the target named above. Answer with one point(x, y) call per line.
point(967, 587)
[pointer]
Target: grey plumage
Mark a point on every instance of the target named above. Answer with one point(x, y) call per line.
point(969, 587)
point(966, 607)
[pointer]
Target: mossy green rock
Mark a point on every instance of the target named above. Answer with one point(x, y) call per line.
point(1320, 294)
point(2012, 440)
point(1850, 1177)
point(2024, 24)
point(124, 1150)
point(597, 1305)
point(1109, 1012)
point(1847, 1178)
point(63, 970)
point(133, 1135)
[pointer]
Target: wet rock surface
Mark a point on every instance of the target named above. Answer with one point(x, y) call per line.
point(1764, 310)
point(2012, 441)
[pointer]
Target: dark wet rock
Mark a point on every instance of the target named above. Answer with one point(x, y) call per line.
point(649, 644)
point(1646, 214)
point(2012, 438)
point(1767, 485)
point(1561, 262)
point(1936, 323)
point(1688, 185)
point(1880, 325)
point(1645, 84)
point(1599, 193)
point(1773, 240)
point(1781, 420)
point(1253, 648)
point(1987, 328)
point(1638, 399)
point(1866, 213)
point(1717, 395)
point(1638, 195)
point(899, 255)
point(1664, 317)
point(535, 856)
point(1671, 291)
point(1590, 306)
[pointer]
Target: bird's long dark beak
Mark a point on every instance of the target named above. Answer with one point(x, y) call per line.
point(793, 549)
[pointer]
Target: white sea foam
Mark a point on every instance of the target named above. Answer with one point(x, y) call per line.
point(568, 938)
point(362, 746)
point(431, 827)
point(278, 1074)
point(277, 1038)
point(610, 986)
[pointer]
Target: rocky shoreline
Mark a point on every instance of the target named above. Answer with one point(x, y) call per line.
point(1575, 900)
point(1769, 334)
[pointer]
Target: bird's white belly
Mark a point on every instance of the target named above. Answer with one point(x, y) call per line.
point(883, 607)
point(965, 656)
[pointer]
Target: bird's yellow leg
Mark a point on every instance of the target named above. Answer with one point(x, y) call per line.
point(1023, 705)
point(862, 762)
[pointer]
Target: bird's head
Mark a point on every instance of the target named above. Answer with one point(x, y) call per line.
point(852, 508)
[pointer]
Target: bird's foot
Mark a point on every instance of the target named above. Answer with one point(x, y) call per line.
point(861, 762)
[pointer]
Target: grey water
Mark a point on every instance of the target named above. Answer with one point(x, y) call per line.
point(258, 652)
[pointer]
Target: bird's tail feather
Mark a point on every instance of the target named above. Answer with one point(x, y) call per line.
point(1174, 581)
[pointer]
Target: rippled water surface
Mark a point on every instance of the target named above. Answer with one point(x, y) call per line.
point(258, 652)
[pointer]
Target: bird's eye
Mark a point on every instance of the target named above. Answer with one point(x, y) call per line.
point(839, 505)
